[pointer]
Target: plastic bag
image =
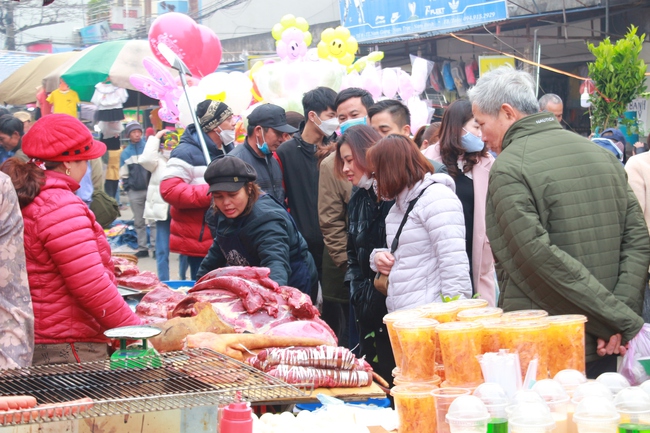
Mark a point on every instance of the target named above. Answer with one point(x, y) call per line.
point(639, 349)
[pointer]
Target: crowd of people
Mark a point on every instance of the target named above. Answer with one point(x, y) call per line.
point(495, 201)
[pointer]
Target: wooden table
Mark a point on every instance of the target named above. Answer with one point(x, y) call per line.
point(346, 394)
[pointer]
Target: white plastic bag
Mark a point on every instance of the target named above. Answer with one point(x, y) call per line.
point(631, 368)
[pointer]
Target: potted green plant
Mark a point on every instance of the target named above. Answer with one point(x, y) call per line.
point(619, 76)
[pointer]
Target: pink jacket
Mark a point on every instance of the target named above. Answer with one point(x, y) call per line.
point(69, 268)
point(482, 261)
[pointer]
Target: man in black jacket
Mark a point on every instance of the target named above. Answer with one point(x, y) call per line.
point(300, 166)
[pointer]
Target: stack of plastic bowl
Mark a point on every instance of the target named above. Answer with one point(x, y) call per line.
point(557, 401)
point(467, 414)
point(495, 399)
point(596, 414)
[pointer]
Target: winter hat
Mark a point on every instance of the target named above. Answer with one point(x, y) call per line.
point(59, 138)
point(132, 126)
point(211, 114)
point(228, 173)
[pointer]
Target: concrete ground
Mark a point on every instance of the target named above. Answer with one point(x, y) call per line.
point(147, 263)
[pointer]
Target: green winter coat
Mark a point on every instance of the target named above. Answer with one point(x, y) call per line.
point(566, 230)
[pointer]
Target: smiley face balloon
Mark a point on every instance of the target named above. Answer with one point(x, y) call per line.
point(292, 37)
point(337, 44)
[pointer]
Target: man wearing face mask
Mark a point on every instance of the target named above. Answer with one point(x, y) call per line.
point(183, 186)
point(300, 166)
point(266, 124)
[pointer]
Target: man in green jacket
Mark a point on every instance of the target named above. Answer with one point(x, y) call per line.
point(565, 228)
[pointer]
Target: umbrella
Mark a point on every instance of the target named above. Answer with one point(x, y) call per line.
point(117, 60)
point(20, 87)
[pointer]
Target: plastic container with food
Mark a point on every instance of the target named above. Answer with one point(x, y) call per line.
point(596, 414)
point(443, 398)
point(460, 344)
point(417, 340)
point(467, 414)
point(570, 380)
point(633, 405)
point(557, 400)
point(566, 343)
point(466, 304)
point(435, 382)
point(531, 418)
point(491, 334)
point(391, 318)
point(529, 340)
point(443, 312)
point(524, 315)
point(495, 399)
point(415, 406)
point(474, 314)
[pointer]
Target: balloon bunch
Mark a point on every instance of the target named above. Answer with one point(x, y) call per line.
point(195, 44)
point(337, 44)
point(292, 37)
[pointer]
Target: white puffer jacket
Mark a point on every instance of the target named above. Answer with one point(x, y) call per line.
point(430, 260)
point(154, 161)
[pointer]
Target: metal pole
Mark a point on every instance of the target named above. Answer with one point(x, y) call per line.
point(606, 17)
point(535, 55)
point(199, 131)
point(539, 60)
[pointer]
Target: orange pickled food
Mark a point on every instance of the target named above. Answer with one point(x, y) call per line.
point(566, 343)
point(416, 409)
point(460, 344)
point(391, 318)
point(524, 315)
point(443, 312)
point(491, 333)
point(530, 340)
point(474, 314)
point(466, 304)
point(417, 340)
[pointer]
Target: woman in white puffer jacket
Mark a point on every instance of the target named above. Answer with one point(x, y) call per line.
point(430, 260)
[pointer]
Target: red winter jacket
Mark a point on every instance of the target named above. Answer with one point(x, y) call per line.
point(69, 267)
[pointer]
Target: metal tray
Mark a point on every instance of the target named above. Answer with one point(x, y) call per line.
point(126, 291)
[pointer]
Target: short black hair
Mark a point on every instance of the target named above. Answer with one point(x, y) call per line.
point(318, 100)
point(354, 92)
point(4, 111)
point(398, 111)
point(10, 124)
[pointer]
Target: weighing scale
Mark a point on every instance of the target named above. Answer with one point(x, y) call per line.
point(134, 356)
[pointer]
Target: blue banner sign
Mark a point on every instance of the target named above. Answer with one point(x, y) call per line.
point(370, 20)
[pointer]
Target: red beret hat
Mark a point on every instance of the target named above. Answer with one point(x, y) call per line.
point(59, 138)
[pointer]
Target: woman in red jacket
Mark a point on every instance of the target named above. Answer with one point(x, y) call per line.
point(69, 266)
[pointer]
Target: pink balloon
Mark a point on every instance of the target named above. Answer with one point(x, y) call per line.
point(211, 51)
point(182, 35)
point(292, 46)
point(389, 82)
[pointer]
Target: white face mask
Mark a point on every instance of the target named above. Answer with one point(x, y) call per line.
point(328, 127)
point(227, 136)
point(167, 153)
point(365, 182)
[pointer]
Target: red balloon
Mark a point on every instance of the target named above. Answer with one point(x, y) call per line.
point(180, 33)
point(211, 51)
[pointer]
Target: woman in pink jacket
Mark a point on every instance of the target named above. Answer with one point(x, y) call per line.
point(463, 152)
point(69, 264)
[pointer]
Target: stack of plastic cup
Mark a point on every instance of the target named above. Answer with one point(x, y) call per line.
point(531, 418)
point(444, 397)
point(460, 344)
point(614, 381)
point(391, 318)
point(467, 414)
point(495, 399)
point(596, 414)
point(566, 343)
point(557, 400)
point(570, 380)
point(414, 405)
point(417, 340)
point(633, 405)
point(474, 314)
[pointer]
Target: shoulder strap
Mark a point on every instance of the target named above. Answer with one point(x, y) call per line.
point(412, 203)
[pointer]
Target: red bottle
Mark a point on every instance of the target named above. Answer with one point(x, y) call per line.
point(236, 418)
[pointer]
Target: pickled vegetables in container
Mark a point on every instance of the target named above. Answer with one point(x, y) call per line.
point(443, 312)
point(391, 318)
point(474, 314)
point(566, 343)
point(460, 344)
point(524, 315)
point(491, 334)
point(529, 340)
point(466, 304)
point(415, 408)
point(417, 340)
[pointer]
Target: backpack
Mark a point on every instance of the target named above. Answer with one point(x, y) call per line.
point(105, 208)
point(447, 77)
point(471, 72)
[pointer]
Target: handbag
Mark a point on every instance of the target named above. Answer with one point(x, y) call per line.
point(381, 280)
point(105, 208)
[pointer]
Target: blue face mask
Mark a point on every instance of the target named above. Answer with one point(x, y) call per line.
point(264, 147)
point(471, 143)
point(352, 122)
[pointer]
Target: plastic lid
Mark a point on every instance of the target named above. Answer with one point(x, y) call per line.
point(614, 381)
point(632, 400)
point(524, 315)
point(413, 390)
point(464, 304)
point(591, 389)
point(450, 392)
point(645, 386)
point(595, 409)
point(435, 382)
point(491, 394)
point(473, 313)
point(439, 307)
point(566, 319)
point(467, 409)
point(532, 325)
point(419, 323)
point(527, 396)
point(570, 379)
point(551, 391)
point(532, 415)
point(401, 315)
point(458, 327)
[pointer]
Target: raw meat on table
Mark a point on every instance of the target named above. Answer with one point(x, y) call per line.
point(145, 280)
point(157, 305)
